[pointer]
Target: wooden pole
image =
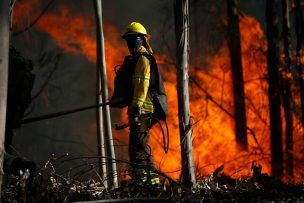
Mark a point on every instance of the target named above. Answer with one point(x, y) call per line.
point(182, 58)
point(101, 64)
point(4, 58)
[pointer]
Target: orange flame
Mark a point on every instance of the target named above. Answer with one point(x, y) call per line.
point(76, 35)
point(24, 12)
point(213, 135)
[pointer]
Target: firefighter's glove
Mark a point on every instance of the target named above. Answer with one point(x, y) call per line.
point(134, 113)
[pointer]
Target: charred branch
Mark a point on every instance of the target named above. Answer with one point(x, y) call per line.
point(224, 110)
point(16, 33)
point(51, 184)
point(45, 61)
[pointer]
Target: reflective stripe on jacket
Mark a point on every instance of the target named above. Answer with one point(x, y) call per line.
point(141, 81)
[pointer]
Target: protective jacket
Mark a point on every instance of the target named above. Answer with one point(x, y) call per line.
point(142, 75)
point(138, 83)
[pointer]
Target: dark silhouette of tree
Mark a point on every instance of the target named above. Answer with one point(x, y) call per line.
point(287, 89)
point(299, 52)
point(237, 74)
point(272, 23)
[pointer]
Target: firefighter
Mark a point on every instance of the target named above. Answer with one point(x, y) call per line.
point(141, 107)
point(21, 81)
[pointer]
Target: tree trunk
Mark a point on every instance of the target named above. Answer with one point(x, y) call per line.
point(272, 23)
point(299, 52)
point(100, 133)
point(237, 75)
point(101, 65)
point(182, 58)
point(287, 90)
point(4, 57)
point(99, 112)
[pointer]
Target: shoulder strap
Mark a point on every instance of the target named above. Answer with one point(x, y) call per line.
point(153, 67)
point(158, 90)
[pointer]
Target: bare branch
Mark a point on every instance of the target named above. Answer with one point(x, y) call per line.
point(35, 21)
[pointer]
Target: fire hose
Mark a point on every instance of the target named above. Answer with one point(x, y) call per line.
point(166, 145)
point(166, 142)
point(61, 113)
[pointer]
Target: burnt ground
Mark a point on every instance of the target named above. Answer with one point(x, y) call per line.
point(53, 184)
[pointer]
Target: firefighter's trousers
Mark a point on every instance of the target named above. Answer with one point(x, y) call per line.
point(139, 149)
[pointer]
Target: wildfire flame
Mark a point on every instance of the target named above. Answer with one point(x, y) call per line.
point(213, 133)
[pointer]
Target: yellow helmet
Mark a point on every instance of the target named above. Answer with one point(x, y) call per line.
point(136, 28)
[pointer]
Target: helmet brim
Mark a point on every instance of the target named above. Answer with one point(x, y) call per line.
point(135, 33)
